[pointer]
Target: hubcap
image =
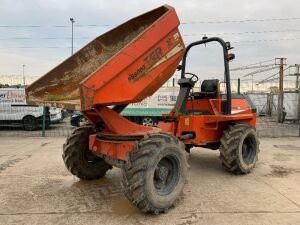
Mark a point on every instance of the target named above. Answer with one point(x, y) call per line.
point(148, 122)
point(166, 175)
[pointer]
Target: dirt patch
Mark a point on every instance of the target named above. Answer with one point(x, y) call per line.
point(281, 171)
point(123, 207)
point(190, 217)
point(44, 144)
point(103, 188)
point(12, 162)
point(282, 157)
point(288, 147)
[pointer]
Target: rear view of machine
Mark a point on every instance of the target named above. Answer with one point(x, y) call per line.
point(126, 65)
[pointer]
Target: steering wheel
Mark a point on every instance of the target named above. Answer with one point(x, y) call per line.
point(194, 77)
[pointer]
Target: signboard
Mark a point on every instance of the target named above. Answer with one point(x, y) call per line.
point(165, 97)
point(12, 96)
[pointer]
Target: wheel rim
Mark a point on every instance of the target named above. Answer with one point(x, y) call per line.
point(166, 175)
point(249, 149)
point(148, 122)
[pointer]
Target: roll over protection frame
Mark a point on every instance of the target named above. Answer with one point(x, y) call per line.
point(226, 47)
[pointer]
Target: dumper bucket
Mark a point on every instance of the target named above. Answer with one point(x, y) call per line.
point(124, 65)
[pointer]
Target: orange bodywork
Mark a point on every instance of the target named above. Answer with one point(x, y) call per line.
point(112, 149)
point(126, 65)
point(208, 128)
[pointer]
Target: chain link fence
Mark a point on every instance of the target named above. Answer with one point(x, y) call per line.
point(17, 119)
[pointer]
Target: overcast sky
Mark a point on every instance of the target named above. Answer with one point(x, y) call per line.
point(43, 47)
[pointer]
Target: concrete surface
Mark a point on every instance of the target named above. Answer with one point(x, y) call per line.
point(37, 189)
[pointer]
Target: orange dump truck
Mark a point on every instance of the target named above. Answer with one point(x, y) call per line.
point(107, 70)
point(126, 65)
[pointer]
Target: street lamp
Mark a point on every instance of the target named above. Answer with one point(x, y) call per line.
point(23, 75)
point(72, 21)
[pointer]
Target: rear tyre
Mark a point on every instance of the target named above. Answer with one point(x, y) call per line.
point(239, 148)
point(30, 123)
point(155, 173)
point(78, 158)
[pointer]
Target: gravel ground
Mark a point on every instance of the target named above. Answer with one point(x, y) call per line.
point(37, 189)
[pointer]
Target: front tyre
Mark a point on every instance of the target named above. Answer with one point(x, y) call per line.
point(155, 173)
point(78, 158)
point(239, 148)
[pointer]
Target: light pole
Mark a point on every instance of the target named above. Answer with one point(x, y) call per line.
point(23, 75)
point(72, 21)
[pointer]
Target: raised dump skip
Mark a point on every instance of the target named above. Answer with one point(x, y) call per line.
point(113, 62)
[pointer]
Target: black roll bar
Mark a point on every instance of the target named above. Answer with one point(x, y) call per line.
point(225, 47)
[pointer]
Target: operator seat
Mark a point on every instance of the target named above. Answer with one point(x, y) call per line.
point(209, 89)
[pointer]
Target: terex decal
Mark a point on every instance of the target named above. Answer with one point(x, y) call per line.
point(154, 56)
point(169, 47)
point(149, 60)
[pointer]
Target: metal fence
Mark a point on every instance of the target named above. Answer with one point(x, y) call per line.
point(267, 125)
point(60, 122)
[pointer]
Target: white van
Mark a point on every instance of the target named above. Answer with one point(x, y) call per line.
point(14, 112)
